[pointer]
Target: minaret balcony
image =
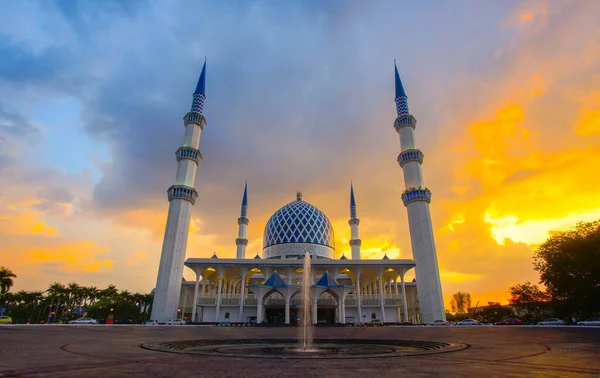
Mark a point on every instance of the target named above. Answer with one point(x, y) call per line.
point(241, 241)
point(197, 118)
point(416, 194)
point(410, 155)
point(354, 221)
point(182, 192)
point(354, 242)
point(188, 153)
point(243, 220)
point(405, 120)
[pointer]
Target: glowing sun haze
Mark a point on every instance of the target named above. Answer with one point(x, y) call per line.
point(300, 96)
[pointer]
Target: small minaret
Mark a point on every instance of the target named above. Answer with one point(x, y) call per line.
point(355, 241)
point(241, 240)
point(416, 198)
point(182, 197)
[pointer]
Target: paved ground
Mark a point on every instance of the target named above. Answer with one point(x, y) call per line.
point(114, 351)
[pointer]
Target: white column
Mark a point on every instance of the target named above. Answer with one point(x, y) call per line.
point(185, 292)
point(242, 289)
point(218, 307)
point(404, 298)
point(381, 300)
point(358, 306)
point(195, 303)
point(343, 308)
point(287, 310)
point(259, 311)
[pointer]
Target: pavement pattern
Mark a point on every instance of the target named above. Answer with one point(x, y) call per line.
point(114, 351)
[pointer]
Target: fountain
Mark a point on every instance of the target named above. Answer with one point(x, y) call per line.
point(306, 324)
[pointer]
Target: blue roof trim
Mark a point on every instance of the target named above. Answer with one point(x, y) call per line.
point(274, 282)
point(328, 282)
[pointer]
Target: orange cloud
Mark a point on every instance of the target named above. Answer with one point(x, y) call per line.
point(25, 224)
point(75, 257)
point(589, 121)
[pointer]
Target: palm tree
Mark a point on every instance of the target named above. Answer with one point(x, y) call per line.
point(56, 290)
point(6, 279)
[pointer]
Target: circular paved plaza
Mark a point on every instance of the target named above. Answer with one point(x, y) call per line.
point(116, 351)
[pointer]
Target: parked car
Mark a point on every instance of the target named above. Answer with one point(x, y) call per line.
point(176, 322)
point(590, 322)
point(469, 322)
point(375, 323)
point(510, 321)
point(5, 319)
point(83, 320)
point(151, 323)
point(552, 321)
point(438, 323)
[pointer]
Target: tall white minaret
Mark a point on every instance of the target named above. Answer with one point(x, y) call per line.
point(182, 197)
point(241, 240)
point(416, 198)
point(355, 241)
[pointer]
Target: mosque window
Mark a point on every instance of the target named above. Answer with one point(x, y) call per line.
point(373, 315)
point(227, 315)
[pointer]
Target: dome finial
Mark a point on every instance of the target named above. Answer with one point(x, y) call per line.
point(299, 195)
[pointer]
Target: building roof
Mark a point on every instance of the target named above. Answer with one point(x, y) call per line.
point(192, 263)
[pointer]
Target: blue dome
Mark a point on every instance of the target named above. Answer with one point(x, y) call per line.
point(298, 222)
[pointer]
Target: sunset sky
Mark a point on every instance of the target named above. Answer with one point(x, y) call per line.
point(300, 96)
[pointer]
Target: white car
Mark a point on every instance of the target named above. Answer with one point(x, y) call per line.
point(590, 322)
point(83, 320)
point(438, 323)
point(176, 322)
point(469, 322)
point(151, 323)
point(552, 321)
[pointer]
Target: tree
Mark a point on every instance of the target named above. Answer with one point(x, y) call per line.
point(530, 298)
point(460, 302)
point(6, 279)
point(569, 266)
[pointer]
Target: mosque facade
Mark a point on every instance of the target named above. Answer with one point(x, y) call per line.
point(266, 288)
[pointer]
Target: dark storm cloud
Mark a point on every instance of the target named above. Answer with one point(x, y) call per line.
point(300, 96)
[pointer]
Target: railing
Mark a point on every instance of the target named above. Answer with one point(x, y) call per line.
point(210, 299)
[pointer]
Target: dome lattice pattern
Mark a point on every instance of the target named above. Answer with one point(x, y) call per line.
point(298, 222)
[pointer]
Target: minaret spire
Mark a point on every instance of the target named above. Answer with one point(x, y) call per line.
point(355, 241)
point(352, 202)
point(401, 97)
point(416, 198)
point(241, 242)
point(245, 201)
point(182, 196)
point(200, 93)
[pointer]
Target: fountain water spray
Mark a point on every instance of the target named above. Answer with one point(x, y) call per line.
point(307, 310)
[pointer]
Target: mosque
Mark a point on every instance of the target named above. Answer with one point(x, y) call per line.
point(266, 288)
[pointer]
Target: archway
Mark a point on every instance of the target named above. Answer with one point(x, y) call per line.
point(327, 307)
point(297, 308)
point(274, 304)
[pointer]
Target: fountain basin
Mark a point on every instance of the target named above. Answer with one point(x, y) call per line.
point(320, 348)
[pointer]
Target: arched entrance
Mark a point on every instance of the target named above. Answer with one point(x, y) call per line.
point(274, 304)
point(327, 308)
